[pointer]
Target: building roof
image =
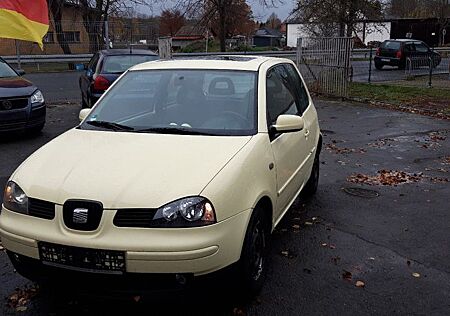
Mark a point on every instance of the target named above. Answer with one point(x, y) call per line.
point(223, 62)
point(268, 32)
point(191, 30)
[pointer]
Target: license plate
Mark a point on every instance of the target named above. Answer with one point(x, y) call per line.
point(82, 259)
point(385, 59)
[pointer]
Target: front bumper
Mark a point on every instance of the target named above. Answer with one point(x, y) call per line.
point(194, 251)
point(22, 119)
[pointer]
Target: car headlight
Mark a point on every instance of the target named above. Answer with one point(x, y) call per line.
point(186, 212)
point(15, 199)
point(37, 97)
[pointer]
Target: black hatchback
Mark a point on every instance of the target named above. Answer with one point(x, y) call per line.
point(105, 67)
point(22, 105)
point(400, 52)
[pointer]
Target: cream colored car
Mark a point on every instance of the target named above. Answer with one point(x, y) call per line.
point(182, 168)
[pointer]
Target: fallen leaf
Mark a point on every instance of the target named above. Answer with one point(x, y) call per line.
point(238, 312)
point(416, 275)
point(360, 284)
point(324, 244)
point(296, 226)
point(347, 275)
point(332, 246)
point(308, 223)
point(371, 258)
point(21, 309)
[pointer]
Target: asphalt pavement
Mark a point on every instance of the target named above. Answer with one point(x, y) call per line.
point(394, 240)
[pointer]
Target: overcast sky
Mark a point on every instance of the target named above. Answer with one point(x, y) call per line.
point(260, 13)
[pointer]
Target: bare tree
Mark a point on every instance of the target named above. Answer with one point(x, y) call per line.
point(273, 21)
point(438, 9)
point(222, 12)
point(341, 16)
point(55, 7)
point(171, 21)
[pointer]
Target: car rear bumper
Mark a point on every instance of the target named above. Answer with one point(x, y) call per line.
point(387, 61)
point(17, 120)
point(193, 251)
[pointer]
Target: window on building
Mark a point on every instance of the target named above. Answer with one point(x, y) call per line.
point(72, 37)
point(49, 37)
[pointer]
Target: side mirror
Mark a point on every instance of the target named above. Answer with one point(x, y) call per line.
point(287, 123)
point(84, 113)
point(20, 72)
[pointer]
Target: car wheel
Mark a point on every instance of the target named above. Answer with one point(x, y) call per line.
point(313, 182)
point(252, 267)
point(379, 66)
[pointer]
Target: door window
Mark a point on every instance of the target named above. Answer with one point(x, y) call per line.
point(298, 87)
point(93, 63)
point(280, 97)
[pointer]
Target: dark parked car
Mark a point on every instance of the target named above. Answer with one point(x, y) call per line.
point(22, 105)
point(395, 52)
point(105, 67)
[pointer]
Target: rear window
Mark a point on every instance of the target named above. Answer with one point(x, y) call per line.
point(120, 63)
point(391, 45)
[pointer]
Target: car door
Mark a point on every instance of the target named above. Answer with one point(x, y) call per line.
point(423, 52)
point(86, 77)
point(290, 150)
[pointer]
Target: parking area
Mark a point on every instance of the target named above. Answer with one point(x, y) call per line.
point(374, 240)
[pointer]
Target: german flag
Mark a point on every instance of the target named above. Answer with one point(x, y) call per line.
point(24, 19)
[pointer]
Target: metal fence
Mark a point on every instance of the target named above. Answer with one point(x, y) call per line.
point(325, 64)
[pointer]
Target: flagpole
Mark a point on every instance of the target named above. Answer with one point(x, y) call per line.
point(18, 54)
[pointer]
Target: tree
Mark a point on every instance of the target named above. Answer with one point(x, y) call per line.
point(273, 22)
point(55, 7)
point(439, 9)
point(222, 13)
point(328, 16)
point(170, 22)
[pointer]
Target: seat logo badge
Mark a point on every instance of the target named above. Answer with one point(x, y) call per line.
point(80, 216)
point(7, 105)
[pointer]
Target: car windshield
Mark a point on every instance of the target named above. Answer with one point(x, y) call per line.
point(391, 45)
point(5, 70)
point(120, 63)
point(208, 102)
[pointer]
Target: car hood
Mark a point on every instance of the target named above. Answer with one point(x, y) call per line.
point(15, 87)
point(125, 170)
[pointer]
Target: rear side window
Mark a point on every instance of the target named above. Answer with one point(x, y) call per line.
point(421, 48)
point(391, 45)
point(120, 63)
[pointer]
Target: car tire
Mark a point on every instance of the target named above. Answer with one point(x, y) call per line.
point(313, 182)
point(379, 66)
point(253, 264)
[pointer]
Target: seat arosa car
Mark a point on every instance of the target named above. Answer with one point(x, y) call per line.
point(22, 105)
point(182, 168)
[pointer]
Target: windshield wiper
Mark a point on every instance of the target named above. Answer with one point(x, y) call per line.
point(110, 125)
point(173, 130)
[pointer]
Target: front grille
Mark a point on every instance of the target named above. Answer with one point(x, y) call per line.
point(134, 218)
point(82, 215)
point(41, 209)
point(13, 104)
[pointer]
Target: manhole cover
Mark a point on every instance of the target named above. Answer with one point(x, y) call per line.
point(365, 193)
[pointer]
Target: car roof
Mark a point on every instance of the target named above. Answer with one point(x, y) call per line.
point(403, 40)
point(223, 62)
point(115, 52)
